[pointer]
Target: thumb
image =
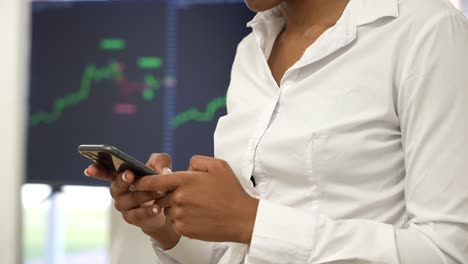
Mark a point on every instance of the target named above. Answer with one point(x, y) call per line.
point(161, 183)
point(159, 162)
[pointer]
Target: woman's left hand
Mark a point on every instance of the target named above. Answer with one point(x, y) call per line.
point(207, 202)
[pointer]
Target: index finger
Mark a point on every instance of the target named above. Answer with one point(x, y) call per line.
point(162, 183)
point(121, 185)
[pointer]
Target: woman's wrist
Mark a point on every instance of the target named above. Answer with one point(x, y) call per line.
point(166, 237)
point(247, 220)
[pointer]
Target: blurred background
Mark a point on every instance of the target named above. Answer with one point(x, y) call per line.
point(146, 76)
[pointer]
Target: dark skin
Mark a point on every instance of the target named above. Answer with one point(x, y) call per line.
point(305, 22)
point(139, 208)
point(207, 202)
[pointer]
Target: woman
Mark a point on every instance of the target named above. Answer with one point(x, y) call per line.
point(349, 116)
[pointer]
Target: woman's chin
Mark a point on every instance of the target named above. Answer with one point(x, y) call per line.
point(262, 5)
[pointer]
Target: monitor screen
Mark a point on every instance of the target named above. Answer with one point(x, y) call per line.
point(144, 76)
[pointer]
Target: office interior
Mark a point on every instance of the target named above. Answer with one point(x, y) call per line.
point(78, 72)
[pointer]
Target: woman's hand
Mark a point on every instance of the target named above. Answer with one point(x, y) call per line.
point(138, 208)
point(207, 202)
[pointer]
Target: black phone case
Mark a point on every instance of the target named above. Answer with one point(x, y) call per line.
point(114, 159)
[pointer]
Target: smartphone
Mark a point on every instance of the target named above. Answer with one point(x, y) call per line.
point(113, 159)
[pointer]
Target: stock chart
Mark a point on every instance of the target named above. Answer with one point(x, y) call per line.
point(144, 76)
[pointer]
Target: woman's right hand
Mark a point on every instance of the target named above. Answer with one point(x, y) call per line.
point(138, 208)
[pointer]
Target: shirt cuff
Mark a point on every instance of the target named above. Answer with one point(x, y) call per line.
point(185, 251)
point(281, 235)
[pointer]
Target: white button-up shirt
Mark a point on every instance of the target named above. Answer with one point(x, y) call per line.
point(361, 154)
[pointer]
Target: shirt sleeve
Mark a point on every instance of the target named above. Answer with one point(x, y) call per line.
point(188, 250)
point(433, 109)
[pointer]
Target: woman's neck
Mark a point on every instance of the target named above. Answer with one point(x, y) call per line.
point(301, 15)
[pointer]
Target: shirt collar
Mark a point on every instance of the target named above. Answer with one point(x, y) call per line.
point(364, 12)
point(368, 11)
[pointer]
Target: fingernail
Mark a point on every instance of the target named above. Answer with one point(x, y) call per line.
point(155, 210)
point(124, 177)
point(86, 172)
point(166, 171)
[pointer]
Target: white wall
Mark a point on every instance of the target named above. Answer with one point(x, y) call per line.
point(12, 111)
